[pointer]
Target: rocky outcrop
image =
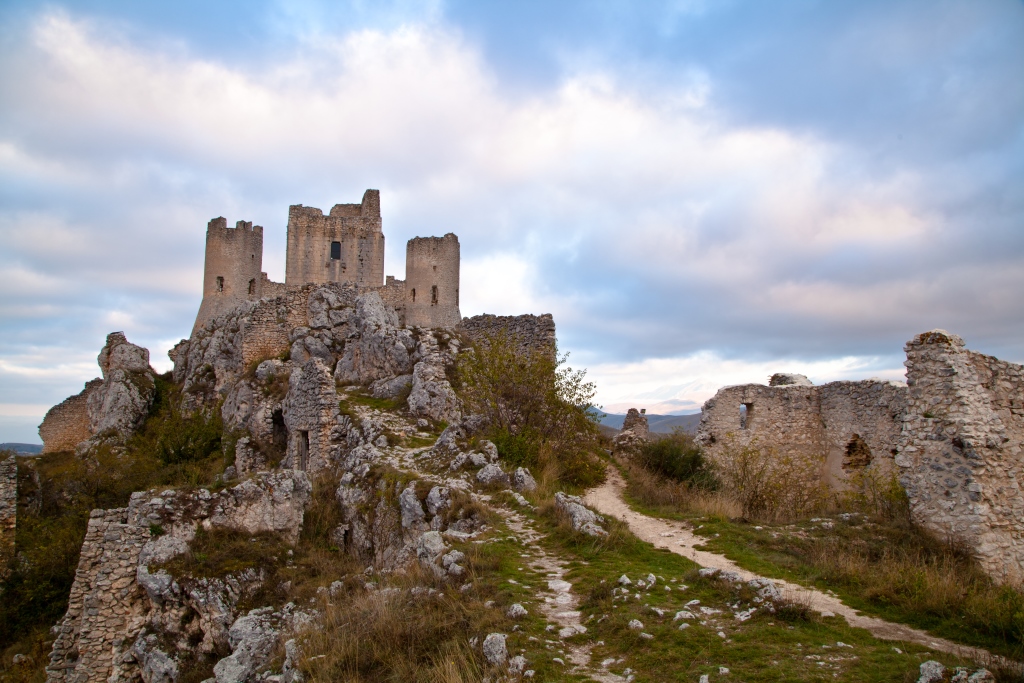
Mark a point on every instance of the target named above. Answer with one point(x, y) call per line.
point(8, 510)
point(432, 395)
point(961, 447)
point(582, 518)
point(116, 601)
point(634, 433)
point(119, 406)
point(376, 347)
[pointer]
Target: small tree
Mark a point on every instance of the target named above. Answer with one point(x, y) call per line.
point(532, 401)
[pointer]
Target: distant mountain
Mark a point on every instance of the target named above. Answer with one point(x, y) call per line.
point(662, 424)
point(22, 448)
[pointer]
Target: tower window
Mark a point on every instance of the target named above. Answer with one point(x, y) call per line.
point(414, 296)
point(252, 287)
point(335, 251)
point(220, 283)
point(433, 294)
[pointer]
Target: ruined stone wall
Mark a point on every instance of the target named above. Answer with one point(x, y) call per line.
point(532, 333)
point(359, 257)
point(67, 424)
point(233, 268)
point(393, 293)
point(432, 281)
point(105, 600)
point(316, 429)
point(801, 420)
point(8, 510)
point(960, 452)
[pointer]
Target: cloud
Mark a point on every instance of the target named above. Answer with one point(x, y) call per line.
point(669, 230)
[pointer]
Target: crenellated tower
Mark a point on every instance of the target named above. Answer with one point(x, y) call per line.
point(233, 271)
point(347, 245)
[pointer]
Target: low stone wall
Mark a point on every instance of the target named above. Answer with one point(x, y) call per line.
point(827, 423)
point(960, 452)
point(533, 333)
point(67, 424)
point(8, 510)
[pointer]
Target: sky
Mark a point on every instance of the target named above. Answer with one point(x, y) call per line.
point(701, 193)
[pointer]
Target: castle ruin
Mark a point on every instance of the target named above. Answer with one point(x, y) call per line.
point(345, 246)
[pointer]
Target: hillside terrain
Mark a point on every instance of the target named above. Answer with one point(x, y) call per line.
point(381, 503)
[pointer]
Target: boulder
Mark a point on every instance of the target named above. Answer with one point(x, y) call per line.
point(492, 475)
point(495, 650)
point(582, 518)
point(522, 480)
point(118, 407)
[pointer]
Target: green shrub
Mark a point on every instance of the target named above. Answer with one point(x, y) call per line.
point(677, 457)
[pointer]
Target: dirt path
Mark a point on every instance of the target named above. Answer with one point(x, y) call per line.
point(678, 537)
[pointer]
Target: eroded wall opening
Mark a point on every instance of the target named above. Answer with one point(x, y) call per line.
point(746, 415)
point(858, 454)
point(252, 287)
point(279, 432)
point(433, 294)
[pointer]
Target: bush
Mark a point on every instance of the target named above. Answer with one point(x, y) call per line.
point(535, 406)
point(678, 458)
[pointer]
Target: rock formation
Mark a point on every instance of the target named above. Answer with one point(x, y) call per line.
point(634, 433)
point(8, 510)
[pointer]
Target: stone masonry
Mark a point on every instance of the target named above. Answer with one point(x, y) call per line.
point(432, 281)
point(825, 422)
point(531, 333)
point(8, 510)
point(233, 268)
point(960, 452)
point(67, 424)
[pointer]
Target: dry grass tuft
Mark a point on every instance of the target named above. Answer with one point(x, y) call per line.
point(655, 491)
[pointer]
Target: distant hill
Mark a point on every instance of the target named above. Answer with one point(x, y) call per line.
point(662, 424)
point(22, 448)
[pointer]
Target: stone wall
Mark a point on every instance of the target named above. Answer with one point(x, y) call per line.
point(316, 429)
point(8, 510)
point(432, 282)
point(105, 601)
point(532, 333)
point(355, 228)
point(827, 423)
point(233, 268)
point(115, 598)
point(67, 424)
point(393, 293)
point(960, 453)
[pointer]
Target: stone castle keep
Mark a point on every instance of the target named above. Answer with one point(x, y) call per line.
point(344, 246)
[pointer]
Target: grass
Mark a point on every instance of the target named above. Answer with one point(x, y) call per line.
point(880, 564)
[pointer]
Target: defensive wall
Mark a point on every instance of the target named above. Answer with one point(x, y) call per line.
point(843, 425)
point(960, 453)
point(67, 424)
point(530, 333)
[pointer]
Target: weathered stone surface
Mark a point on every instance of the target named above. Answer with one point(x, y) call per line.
point(413, 516)
point(634, 433)
point(960, 449)
point(432, 395)
point(492, 475)
point(522, 480)
point(820, 423)
point(582, 518)
point(495, 650)
point(115, 596)
point(317, 432)
point(67, 424)
point(8, 510)
point(376, 347)
point(252, 639)
point(786, 379)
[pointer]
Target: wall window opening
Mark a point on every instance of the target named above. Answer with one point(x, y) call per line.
point(252, 287)
point(456, 297)
point(335, 251)
point(433, 294)
point(858, 454)
point(414, 296)
point(746, 415)
point(435, 269)
point(303, 450)
point(279, 436)
point(220, 283)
